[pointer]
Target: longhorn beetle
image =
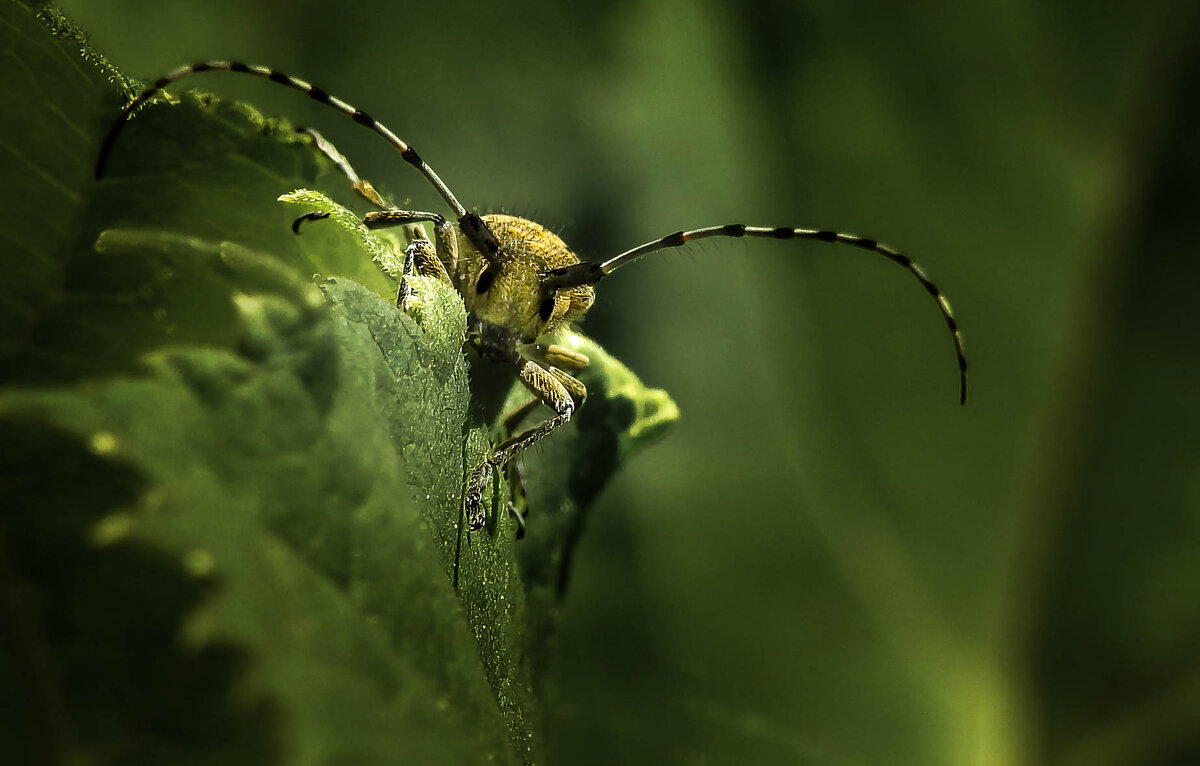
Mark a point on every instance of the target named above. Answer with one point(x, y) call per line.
point(519, 282)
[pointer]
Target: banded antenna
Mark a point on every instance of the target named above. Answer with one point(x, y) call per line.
point(470, 223)
point(589, 273)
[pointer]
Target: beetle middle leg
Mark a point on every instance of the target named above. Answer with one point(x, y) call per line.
point(361, 186)
point(387, 216)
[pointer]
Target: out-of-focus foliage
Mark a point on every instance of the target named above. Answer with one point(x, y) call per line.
point(829, 561)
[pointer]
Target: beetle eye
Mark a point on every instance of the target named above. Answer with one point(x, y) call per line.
point(485, 281)
point(546, 308)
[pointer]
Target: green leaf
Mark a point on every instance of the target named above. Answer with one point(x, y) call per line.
point(829, 561)
point(54, 101)
point(231, 498)
point(274, 465)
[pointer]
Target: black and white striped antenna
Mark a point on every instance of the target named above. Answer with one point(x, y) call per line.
point(589, 273)
point(470, 223)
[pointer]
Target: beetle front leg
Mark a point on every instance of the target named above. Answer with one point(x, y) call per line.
point(419, 258)
point(548, 386)
point(446, 248)
point(518, 506)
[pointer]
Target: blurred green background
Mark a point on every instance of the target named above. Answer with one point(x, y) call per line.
point(828, 560)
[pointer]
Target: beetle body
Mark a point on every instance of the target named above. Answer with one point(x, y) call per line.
point(519, 282)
